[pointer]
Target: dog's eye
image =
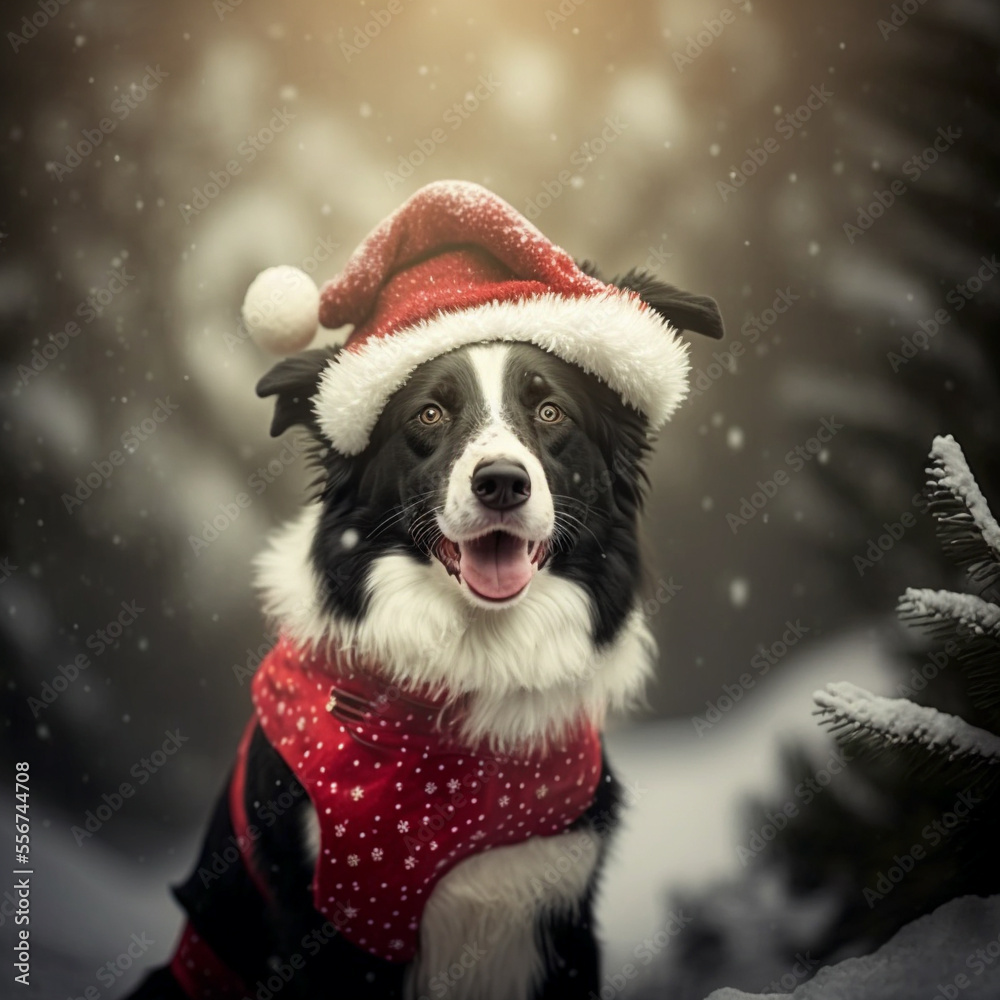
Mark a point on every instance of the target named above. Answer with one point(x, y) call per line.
point(430, 415)
point(549, 413)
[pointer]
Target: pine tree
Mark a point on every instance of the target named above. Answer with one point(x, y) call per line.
point(913, 820)
point(937, 742)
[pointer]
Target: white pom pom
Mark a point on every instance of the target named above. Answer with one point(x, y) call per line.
point(281, 309)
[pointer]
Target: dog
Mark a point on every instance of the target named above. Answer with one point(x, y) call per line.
point(421, 804)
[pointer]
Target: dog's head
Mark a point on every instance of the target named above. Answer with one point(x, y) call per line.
point(479, 445)
point(499, 482)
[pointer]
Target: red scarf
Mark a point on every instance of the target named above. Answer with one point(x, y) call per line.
point(400, 800)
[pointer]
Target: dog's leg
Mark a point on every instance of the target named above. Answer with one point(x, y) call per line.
point(485, 931)
point(516, 922)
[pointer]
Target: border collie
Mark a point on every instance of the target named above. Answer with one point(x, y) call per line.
point(420, 806)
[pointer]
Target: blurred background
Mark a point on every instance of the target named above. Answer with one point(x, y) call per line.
point(828, 172)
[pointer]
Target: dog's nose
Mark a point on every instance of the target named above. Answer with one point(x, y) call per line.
point(501, 485)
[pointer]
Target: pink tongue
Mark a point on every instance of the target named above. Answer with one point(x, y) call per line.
point(496, 566)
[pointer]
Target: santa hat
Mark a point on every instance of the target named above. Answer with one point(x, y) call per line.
point(456, 265)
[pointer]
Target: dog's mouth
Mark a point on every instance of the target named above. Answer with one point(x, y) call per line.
point(496, 566)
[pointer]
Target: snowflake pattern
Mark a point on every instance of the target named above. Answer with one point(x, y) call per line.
point(394, 883)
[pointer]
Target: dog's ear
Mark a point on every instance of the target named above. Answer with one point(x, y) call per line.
point(684, 310)
point(295, 381)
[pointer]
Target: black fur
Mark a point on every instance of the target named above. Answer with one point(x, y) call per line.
point(386, 495)
point(603, 440)
point(684, 310)
point(260, 940)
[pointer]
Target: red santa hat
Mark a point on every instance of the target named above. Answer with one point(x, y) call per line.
point(456, 265)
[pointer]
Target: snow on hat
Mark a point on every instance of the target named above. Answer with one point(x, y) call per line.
point(457, 265)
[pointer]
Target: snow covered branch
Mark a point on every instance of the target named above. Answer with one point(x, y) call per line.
point(898, 721)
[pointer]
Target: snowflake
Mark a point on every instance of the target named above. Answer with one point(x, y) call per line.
point(504, 801)
point(430, 788)
point(433, 845)
point(340, 829)
point(395, 944)
point(352, 860)
point(357, 792)
point(410, 862)
point(478, 835)
point(350, 912)
point(376, 854)
point(454, 785)
point(541, 791)
point(402, 826)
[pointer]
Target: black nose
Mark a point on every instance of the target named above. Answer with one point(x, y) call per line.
point(501, 485)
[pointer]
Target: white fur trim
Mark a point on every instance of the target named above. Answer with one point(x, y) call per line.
point(615, 337)
point(281, 309)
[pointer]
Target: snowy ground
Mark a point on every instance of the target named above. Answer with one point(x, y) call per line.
point(681, 831)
